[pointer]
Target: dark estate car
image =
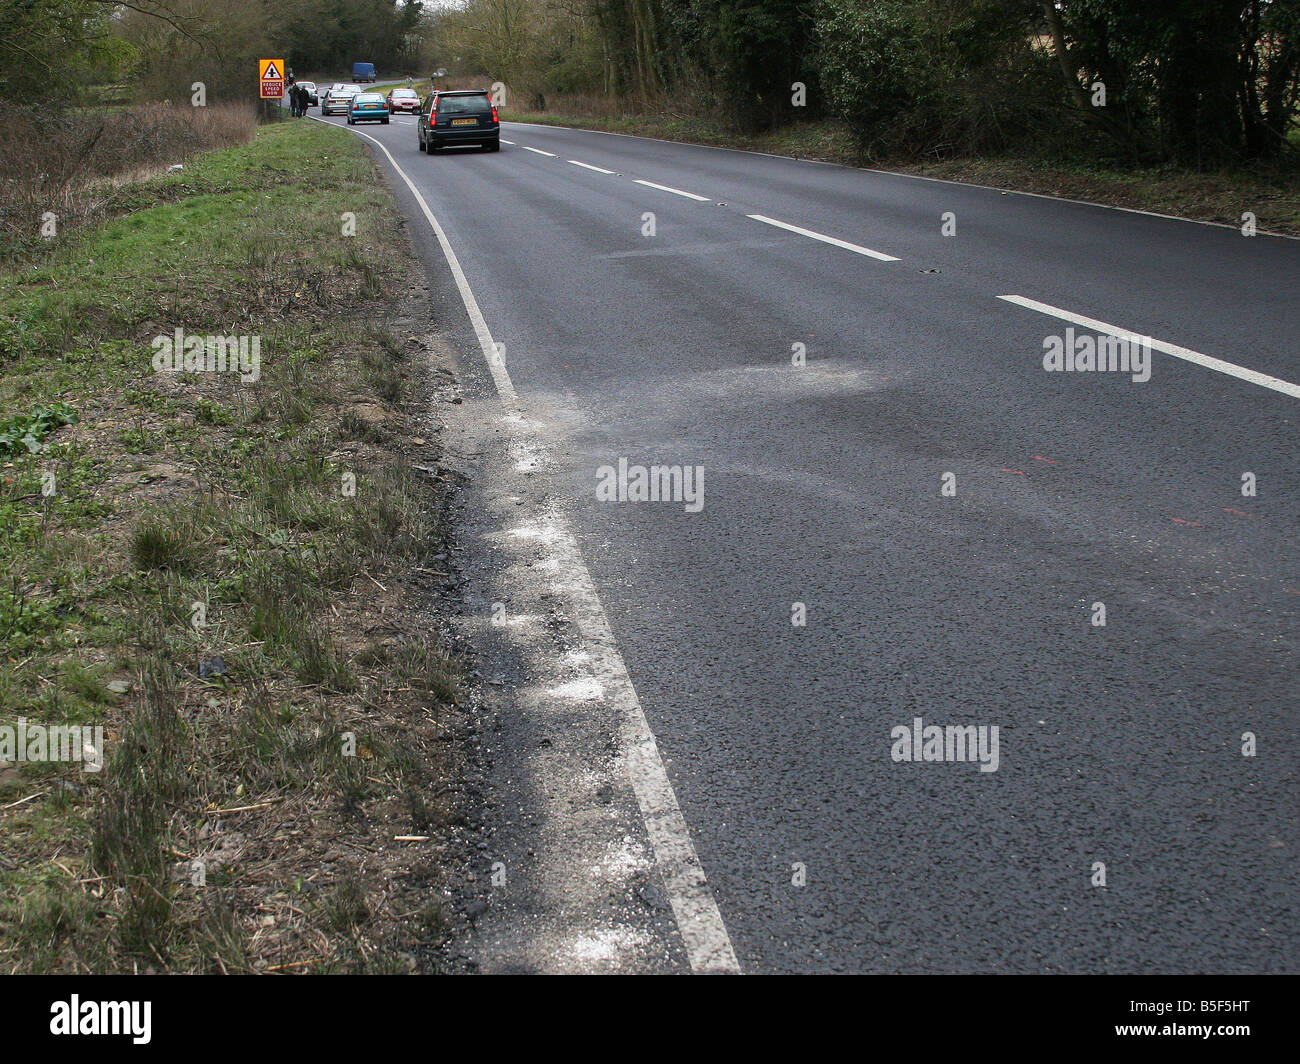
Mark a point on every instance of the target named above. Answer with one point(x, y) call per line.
point(455, 118)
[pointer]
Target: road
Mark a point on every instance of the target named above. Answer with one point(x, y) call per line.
point(1121, 744)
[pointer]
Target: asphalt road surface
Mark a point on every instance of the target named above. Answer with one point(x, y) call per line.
point(964, 600)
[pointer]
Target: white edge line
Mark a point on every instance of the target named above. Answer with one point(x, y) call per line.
point(674, 191)
point(910, 177)
point(588, 166)
point(549, 154)
point(708, 946)
point(858, 248)
point(505, 388)
point(704, 934)
point(1185, 353)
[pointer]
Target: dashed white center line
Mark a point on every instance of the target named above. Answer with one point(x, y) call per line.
point(1186, 354)
point(857, 248)
point(510, 142)
point(588, 166)
point(674, 191)
point(549, 154)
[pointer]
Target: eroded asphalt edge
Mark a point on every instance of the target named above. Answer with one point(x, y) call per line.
point(570, 923)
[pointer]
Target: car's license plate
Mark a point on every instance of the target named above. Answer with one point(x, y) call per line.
point(464, 121)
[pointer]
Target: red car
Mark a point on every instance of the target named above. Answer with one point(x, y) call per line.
point(405, 101)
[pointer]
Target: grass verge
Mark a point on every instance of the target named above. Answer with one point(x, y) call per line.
point(1271, 194)
point(228, 578)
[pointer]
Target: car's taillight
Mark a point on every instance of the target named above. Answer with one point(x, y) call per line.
point(494, 114)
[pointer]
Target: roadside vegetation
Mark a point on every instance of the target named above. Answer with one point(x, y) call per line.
point(59, 171)
point(1201, 85)
point(234, 579)
point(1187, 109)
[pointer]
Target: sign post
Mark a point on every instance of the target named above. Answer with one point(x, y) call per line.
point(270, 79)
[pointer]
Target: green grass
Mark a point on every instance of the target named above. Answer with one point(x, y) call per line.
point(180, 489)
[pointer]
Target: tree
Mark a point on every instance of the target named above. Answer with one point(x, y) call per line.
point(1202, 82)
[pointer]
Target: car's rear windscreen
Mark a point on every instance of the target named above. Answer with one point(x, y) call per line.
point(464, 105)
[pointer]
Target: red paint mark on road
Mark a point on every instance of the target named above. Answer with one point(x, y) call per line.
point(1180, 521)
point(1239, 513)
point(1040, 458)
point(1017, 472)
point(1293, 590)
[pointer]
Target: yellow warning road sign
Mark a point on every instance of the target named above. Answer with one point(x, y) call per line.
point(270, 74)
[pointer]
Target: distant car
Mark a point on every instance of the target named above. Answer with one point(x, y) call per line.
point(453, 118)
point(367, 107)
point(404, 101)
point(363, 72)
point(313, 97)
point(337, 100)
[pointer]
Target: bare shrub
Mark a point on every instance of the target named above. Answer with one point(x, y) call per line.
point(74, 164)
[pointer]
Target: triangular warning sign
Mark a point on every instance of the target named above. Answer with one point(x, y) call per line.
point(271, 73)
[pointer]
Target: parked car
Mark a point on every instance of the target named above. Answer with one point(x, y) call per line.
point(313, 97)
point(363, 72)
point(454, 118)
point(367, 107)
point(404, 101)
point(336, 101)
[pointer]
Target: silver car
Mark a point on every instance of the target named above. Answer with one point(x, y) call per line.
point(338, 99)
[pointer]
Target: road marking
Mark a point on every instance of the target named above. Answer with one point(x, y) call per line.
point(704, 934)
point(674, 191)
point(496, 364)
point(510, 142)
point(549, 154)
point(708, 946)
point(824, 238)
point(588, 166)
point(910, 177)
point(1186, 354)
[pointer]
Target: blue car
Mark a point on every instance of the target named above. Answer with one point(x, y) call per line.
point(367, 107)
